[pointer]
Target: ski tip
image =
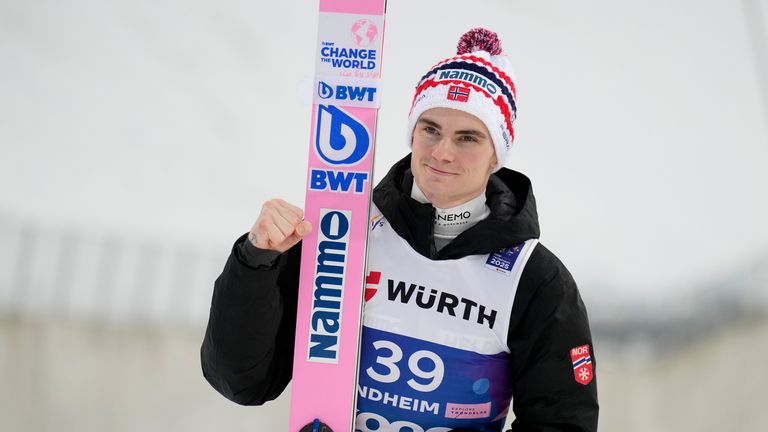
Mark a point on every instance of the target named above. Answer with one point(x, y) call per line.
point(316, 426)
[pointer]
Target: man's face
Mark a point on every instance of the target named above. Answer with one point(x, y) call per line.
point(453, 156)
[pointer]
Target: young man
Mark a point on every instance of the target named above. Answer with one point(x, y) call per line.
point(471, 311)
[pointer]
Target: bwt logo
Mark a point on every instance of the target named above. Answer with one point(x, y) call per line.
point(344, 92)
point(337, 181)
point(340, 140)
point(328, 289)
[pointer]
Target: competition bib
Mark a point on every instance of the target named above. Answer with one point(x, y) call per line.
point(433, 351)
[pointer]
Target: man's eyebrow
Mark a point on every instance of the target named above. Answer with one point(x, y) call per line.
point(474, 132)
point(429, 122)
point(436, 125)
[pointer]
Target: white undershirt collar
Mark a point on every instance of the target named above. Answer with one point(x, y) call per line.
point(451, 222)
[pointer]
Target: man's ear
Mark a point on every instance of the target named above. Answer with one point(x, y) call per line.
point(494, 161)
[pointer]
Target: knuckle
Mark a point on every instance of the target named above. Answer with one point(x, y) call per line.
point(292, 219)
point(262, 223)
point(272, 204)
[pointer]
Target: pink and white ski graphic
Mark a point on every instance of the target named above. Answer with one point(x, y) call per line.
point(339, 177)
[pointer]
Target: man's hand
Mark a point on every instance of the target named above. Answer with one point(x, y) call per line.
point(280, 226)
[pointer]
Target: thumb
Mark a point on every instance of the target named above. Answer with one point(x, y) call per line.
point(301, 230)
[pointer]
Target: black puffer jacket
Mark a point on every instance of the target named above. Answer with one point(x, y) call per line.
point(247, 352)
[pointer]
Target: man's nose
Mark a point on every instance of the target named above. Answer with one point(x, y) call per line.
point(443, 150)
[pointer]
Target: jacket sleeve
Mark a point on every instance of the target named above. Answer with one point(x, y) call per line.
point(247, 352)
point(549, 319)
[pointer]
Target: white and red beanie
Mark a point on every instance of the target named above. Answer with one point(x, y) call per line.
point(479, 80)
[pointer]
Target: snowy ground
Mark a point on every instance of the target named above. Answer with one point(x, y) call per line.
point(67, 376)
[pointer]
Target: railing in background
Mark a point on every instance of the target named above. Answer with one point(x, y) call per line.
point(51, 271)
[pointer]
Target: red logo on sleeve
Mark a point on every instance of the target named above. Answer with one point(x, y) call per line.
point(582, 364)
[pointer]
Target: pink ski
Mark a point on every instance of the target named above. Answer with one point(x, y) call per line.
point(339, 181)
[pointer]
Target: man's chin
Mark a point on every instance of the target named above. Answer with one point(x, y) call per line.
point(438, 189)
point(439, 183)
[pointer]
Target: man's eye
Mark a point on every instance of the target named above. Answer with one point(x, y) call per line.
point(430, 130)
point(468, 138)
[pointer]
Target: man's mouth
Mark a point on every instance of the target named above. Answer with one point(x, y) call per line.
point(439, 171)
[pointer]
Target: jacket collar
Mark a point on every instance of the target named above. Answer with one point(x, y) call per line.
point(509, 195)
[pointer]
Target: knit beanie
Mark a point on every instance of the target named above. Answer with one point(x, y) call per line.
point(479, 80)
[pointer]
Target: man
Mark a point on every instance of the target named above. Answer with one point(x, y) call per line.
point(470, 310)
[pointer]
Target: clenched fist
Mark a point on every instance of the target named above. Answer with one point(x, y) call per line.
point(280, 226)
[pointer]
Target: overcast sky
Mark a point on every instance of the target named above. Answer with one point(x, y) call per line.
point(641, 124)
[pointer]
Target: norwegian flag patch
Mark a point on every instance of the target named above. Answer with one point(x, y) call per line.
point(582, 364)
point(459, 94)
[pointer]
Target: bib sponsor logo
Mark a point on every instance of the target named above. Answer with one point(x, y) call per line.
point(582, 364)
point(328, 289)
point(441, 302)
point(469, 77)
point(503, 260)
point(468, 411)
point(377, 222)
point(372, 284)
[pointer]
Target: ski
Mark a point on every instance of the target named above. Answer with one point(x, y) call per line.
point(339, 181)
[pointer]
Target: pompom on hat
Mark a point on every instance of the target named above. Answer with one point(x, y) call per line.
point(479, 80)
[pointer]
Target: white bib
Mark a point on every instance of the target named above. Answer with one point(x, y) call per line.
point(433, 354)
